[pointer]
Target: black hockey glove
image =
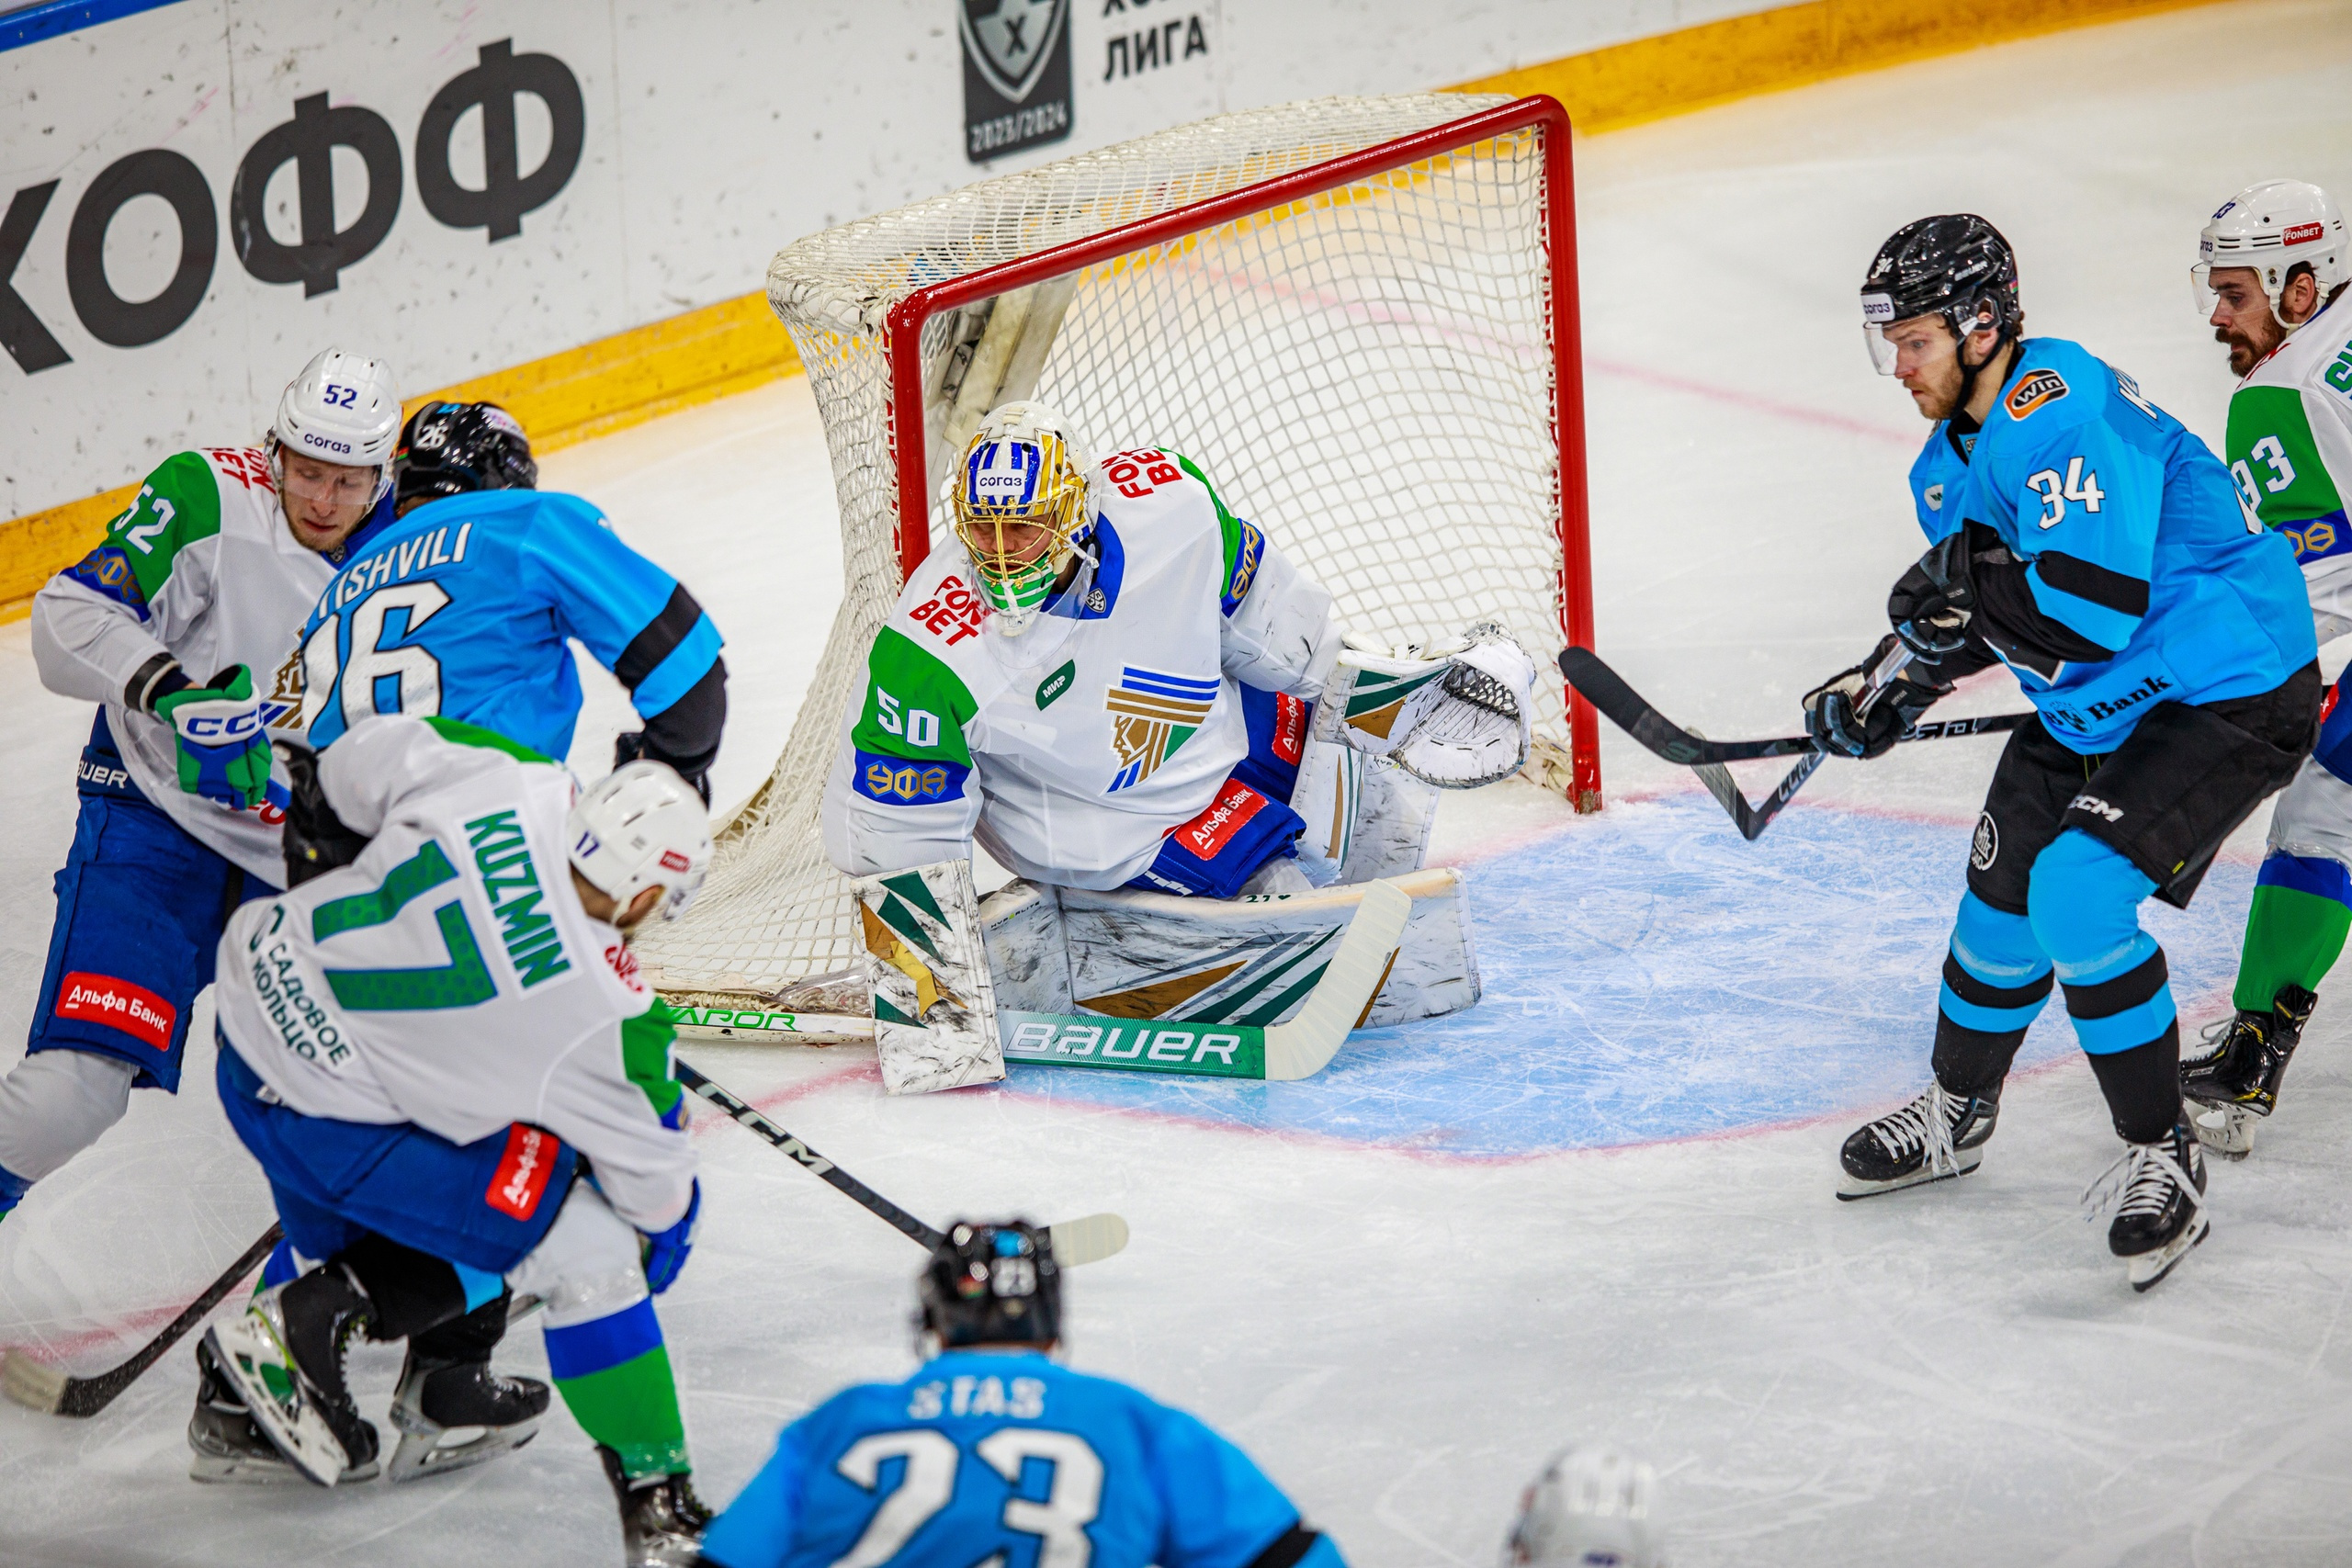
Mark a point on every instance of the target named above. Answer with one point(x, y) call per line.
point(631, 745)
point(1933, 602)
point(1830, 718)
point(316, 841)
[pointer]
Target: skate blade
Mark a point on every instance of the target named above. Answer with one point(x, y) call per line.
point(1850, 1186)
point(35, 1385)
point(241, 1350)
point(444, 1448)
point(2150, 1268)
point(2224, 1129)
point(254, 1470)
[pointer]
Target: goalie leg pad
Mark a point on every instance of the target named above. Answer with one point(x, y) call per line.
point(935, 1002)
point(1395, 814)
point(1249, 961)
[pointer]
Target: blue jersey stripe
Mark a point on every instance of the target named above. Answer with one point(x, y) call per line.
point(586, 1348)
point(677, 675)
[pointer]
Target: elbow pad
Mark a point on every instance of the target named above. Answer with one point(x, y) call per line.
point(2011, 620)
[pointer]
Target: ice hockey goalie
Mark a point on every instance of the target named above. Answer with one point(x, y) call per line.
point(1137, 704)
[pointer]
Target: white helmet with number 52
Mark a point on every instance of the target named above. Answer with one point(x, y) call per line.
point(2270, 227)
point(641, 826)
point(341, 408)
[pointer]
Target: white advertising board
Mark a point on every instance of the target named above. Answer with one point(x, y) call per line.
point(200, 193)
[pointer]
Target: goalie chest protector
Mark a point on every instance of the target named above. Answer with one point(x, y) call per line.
point(1103, 726)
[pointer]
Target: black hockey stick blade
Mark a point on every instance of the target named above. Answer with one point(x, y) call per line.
point(1606, 689)
point(1086, 1240)
point(39, 1387)
point(1752, 820)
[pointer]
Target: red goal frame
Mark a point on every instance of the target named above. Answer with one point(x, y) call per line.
point(1542, 113)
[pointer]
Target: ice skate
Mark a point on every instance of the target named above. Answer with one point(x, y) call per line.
point(453, 1414)
point(1937, 1135)
point(2236, 1083)
point(229, 1447)
point(284, 1358)
point(2157, 1192)
point(662, 1520)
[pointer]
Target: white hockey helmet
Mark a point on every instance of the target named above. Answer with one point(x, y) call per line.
point(1020, 467)
point(341, 408)
point(641, 826)
point(2270, 227)
point(1592, 1508)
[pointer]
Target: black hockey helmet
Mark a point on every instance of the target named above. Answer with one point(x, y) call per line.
point(454, 448)
point(1955, 266)
point(992, 1284)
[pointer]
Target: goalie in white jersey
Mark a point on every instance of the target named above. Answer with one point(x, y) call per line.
point(1108, 686)
point(423, 1048)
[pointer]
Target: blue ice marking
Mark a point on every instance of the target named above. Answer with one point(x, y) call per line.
point(1649, 976)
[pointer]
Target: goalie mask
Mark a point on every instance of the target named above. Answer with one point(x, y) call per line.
point(1017, 499)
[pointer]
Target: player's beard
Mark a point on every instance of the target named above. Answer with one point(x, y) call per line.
point(1939, 393)
point(2248, 349)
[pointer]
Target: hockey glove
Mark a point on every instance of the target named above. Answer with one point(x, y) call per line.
point(1831, 719)
point(315, 840)
point(1932, 603)
point(631, 745)
point(666, 1251)
point(224, 754)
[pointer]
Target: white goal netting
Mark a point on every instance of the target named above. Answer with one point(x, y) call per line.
point(1365, 372)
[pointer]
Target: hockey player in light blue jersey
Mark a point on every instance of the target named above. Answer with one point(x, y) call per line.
point(991, 1451)
point(463, 607)
point(2098, 550)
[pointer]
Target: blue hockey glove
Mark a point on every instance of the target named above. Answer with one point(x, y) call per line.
point(665, 1252)
point(1932, 603)
point(224, 752)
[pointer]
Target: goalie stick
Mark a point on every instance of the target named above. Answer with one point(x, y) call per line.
point(1606, 689)
point(1086, 1240)
point(39, 1387)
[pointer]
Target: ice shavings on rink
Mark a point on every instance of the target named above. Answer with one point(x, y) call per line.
point(1651, 976)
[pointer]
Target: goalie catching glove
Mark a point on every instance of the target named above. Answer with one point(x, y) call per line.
point(1457, 716)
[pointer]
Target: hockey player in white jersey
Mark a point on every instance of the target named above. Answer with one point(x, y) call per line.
point(423, 1048)
point(1117, 686)
point(2271, 271)
point(181, 627)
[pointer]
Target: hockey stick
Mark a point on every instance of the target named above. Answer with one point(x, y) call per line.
point(39, 1387)
point(1086, 1240)
point(1606, 689)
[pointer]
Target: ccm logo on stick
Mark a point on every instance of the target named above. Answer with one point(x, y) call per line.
point(118, 1004)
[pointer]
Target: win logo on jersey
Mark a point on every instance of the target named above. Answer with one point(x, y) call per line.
point(1152, 716)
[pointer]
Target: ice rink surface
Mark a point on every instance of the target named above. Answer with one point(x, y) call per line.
point(1596, 1206)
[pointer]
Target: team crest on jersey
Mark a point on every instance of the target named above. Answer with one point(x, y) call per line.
point(283, 708)
point(2042, 387)
point(1935, 498)
point(1152, 715)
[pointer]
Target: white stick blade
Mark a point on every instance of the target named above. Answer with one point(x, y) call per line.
point(33, 1384)
point(1089, 1240)
point(1306, 1043)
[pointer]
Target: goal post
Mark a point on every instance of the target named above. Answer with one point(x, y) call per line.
point(1358, 315)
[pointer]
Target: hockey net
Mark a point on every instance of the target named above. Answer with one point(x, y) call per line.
point(1356, 314)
